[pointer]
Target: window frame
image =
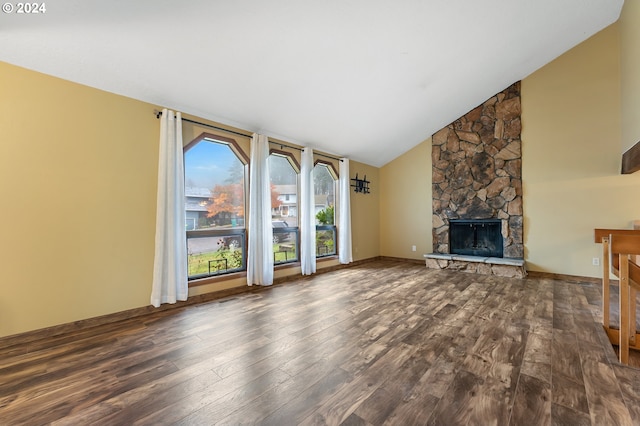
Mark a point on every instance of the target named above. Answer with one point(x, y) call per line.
point(331, 168)
point(237, 150)
point(290, 229)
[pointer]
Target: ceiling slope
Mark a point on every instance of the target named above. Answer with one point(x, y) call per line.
point(366, 79)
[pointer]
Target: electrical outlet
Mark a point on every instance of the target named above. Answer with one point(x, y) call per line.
point(413, 248)
point(596, 261)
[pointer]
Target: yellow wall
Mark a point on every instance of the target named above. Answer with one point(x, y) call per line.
point(630, 73)
point(78, 187)
point(78, 172)
point(405, 204)
point(571, 132)
point(365, 213)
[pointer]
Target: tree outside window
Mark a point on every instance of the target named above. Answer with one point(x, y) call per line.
point(325, 189)
point(215, 208)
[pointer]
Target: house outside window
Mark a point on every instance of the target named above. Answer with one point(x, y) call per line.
point(284, 170)
point(215, 194)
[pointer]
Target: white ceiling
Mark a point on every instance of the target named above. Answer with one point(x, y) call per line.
point(366, 79)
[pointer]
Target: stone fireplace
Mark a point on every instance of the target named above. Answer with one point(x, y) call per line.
point(477, 174)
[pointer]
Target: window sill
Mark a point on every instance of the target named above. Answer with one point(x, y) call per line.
point(327, 258)
point(297, 264)
point(217, 279)
point(286, 266)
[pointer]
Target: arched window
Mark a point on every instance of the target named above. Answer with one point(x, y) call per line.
point(284, 169)
point(215, 194)
point(324, 180)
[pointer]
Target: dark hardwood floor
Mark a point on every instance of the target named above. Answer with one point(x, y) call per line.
point(379, 343)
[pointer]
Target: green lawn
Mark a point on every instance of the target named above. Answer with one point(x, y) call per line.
point(198, 264)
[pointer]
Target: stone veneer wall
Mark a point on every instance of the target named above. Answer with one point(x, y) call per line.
point(477, 171)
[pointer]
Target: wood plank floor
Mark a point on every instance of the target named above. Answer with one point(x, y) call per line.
point(379, 343)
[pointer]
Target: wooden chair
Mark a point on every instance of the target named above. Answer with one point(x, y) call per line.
point(622, 261)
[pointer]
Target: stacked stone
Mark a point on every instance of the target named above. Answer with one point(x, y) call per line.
point(477, 171)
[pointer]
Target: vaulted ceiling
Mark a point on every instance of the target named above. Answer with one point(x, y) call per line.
point(366, 79)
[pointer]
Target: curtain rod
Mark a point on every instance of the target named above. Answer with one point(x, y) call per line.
point(158, 113)
point(329, 156)
point(300, 149)
point(285, 145)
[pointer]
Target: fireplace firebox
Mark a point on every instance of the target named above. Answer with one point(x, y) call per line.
point(477, 237)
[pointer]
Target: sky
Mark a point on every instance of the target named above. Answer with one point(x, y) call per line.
point(207, 164)
point(200, 164)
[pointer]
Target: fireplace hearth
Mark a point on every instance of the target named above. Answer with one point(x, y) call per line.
point(476, 237)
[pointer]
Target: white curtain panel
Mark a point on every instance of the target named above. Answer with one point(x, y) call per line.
point(260, 255)
point(344, 214)
point(307, 215)
point(170, 262)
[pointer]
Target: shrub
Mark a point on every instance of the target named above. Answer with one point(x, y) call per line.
point(325, 216)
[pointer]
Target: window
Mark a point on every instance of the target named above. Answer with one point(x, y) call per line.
point(324, 180)
point(215, 170)
point(283, 171)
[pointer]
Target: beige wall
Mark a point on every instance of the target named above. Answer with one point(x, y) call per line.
point(78, 184)
point(405, 204)
point(630, 72)
point(571, 132)
point(78, 171)
point(365, 213)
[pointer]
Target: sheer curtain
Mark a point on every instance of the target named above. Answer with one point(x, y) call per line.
point(170, 262)
point(307, 215)
point(344, 214)
point(260, 255)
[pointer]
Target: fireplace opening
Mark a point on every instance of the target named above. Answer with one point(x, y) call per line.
point(480, 237)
